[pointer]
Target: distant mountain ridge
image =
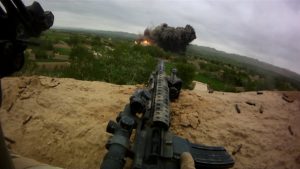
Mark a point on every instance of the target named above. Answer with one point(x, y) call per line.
point(105, 33)
point(212, 53)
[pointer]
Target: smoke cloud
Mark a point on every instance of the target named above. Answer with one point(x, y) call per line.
point(171, 38)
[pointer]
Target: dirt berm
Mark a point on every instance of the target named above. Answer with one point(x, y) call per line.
point(62, 122)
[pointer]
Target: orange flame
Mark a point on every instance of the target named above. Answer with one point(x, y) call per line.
point(145, 42)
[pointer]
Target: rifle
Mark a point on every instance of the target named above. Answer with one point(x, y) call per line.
point(154, 146)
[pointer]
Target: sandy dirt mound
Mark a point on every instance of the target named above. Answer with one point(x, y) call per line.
point(199, 86)
point(62, 122)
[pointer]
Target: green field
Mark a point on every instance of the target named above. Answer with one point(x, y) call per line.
point(114, 57)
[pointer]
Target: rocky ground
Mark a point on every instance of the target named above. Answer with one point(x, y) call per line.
point(62, 121)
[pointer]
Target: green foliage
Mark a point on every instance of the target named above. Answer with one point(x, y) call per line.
point(74, 40)
point(214, 83)
point(154, 51)
point(118, 60)
point(131, 67)
point(186, 72)
point(46, 45)
point(169, 65)
point(123, 65)
point(96, 41)
point(180, 59)
point(283, 83)
point(40, 54)
point(244, 67)
point(62, 51)
point(209, 67)
point(81, 62)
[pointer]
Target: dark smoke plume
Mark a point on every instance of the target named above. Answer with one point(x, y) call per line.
point(170, 38)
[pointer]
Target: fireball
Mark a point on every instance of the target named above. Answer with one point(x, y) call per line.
point(145, 42)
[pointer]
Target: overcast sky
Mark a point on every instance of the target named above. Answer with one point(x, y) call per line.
point(268, 30)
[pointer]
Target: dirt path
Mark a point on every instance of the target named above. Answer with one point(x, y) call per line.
point(62, 122)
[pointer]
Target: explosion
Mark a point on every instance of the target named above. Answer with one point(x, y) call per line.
point(144, 41)
point(169, 38)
